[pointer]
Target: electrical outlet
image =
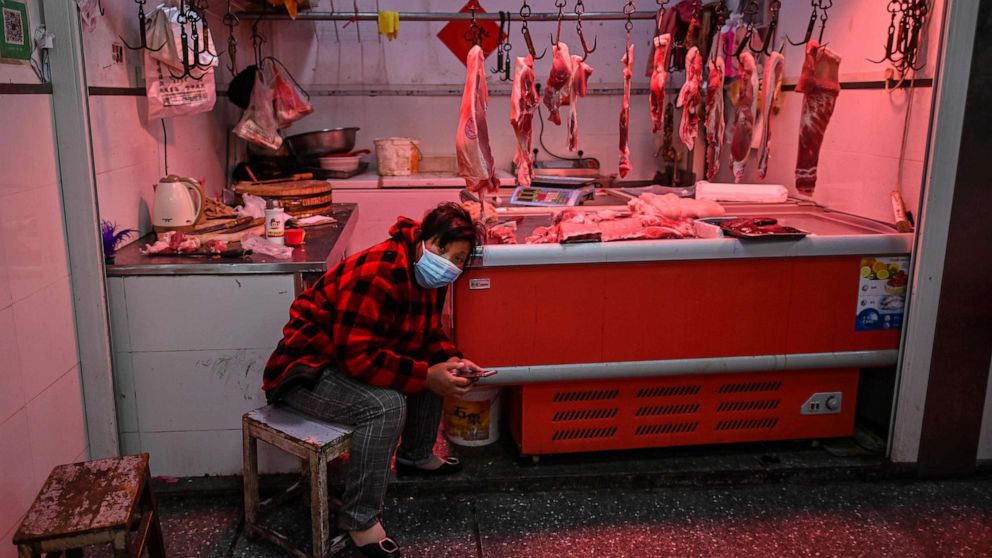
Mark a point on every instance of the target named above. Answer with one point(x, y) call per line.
point(117, 51)
point(823, 403)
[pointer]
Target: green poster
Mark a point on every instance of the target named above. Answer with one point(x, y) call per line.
point(15, 33)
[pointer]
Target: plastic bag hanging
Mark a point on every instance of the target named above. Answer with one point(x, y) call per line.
point(289, 101)
point(258, 123)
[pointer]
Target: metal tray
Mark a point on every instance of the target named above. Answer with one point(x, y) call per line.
point(794, 234)
point(324, 174)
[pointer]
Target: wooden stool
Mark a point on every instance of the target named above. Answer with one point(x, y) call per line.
point(317, 444)
point(94, 502)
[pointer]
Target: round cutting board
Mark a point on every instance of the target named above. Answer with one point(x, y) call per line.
point(283, 189)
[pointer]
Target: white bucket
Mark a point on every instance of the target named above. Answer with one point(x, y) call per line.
point(474, 419)
point(397, 156)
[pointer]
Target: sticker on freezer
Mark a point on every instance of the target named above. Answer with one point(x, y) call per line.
point(882, 293)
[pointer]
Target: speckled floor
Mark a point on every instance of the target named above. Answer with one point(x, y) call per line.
point(888, 518)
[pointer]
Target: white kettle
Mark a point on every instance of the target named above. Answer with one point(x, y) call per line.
point(174, 207)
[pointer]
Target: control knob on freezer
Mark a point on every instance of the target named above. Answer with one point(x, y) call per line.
point(832, 403)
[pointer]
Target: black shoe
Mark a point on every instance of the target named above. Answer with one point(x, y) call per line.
point(450, 466)
point(386, 548)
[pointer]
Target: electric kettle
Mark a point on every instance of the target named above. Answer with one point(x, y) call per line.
point(174, 207)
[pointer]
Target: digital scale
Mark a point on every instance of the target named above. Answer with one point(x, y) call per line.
point(550, 197)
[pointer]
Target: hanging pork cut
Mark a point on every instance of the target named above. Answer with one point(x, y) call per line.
point(523, 103)
point(475, 157)
point(580, 76)
point(774, 70)
point(740, 142)
point(557, 91)
point(714, 113)
point(628, 73)
point(689, 98)
point(659, 75)
point(820, 84)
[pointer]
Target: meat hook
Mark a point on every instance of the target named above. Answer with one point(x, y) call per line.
point(507, 47)
point(525, 12)
point(767, 42)
point(824, 6)
point(560, 4)
point(499, 47)
point(586, 51)
point(809, 27)
point(231, 21)
point(142, 23)
point(750, 11)
point(189, 15)
point(475, 33)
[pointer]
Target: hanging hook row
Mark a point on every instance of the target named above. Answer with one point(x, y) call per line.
point(903, 40)
point(191, 14)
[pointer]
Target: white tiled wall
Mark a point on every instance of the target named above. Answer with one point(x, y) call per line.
point(41, 411)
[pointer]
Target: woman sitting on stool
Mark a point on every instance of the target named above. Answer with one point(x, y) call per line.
point(364, 347)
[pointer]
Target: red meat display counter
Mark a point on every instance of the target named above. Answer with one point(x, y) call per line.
point(651, 343)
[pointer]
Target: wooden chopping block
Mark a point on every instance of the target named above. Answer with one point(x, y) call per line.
point(284, 189)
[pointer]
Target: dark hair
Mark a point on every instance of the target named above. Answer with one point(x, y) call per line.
point(449, 222)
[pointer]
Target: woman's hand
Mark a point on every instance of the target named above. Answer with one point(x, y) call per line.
point(442, 379)
point(467, 365)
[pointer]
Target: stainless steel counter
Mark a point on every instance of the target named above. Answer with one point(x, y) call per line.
point(326, 243)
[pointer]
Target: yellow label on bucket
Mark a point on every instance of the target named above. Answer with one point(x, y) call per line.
point(467, 420)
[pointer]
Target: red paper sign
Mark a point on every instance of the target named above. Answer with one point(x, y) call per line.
point(456, 34)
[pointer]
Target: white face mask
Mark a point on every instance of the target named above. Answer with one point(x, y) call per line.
point(434, 271)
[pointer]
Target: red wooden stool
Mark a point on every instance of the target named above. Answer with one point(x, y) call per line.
point(94, 502)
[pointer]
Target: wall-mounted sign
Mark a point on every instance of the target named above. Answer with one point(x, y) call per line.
point(15, 33)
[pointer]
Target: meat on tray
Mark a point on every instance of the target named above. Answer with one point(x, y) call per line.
point(475, 157)
point(504, 233)
point(820, 84)
point(673, 207)
point(621, 229)
point(579, 232)
point(756, 226)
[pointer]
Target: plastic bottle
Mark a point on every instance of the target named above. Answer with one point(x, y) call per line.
point(275, 222)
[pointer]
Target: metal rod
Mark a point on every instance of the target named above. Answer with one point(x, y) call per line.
point(677, 367)
point(446, 16)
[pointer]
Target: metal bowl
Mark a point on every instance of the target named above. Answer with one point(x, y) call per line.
point(322, 142)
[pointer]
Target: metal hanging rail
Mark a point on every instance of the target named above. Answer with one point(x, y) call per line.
point(444, 16)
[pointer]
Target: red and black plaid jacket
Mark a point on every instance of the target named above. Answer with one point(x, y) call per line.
point(369, 318)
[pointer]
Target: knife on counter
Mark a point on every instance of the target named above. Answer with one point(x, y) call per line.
point(234, 253)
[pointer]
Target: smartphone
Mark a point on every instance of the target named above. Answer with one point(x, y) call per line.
point(475, 375)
